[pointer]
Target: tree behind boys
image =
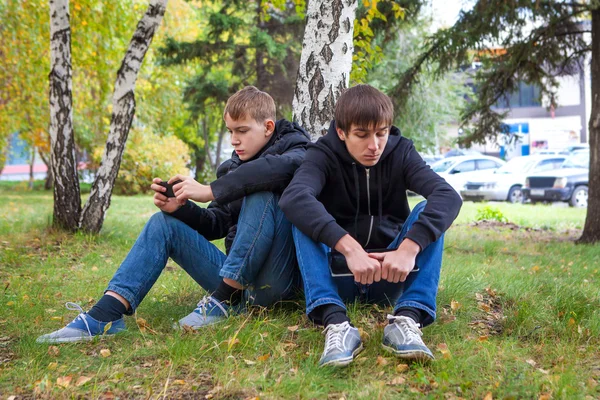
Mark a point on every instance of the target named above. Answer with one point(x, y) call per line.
point(353, 185)
point(259, 266)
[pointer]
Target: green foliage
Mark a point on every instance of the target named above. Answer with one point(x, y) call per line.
point(147, 156)
point(435, 101)
point(489, 213)
point(518, 41)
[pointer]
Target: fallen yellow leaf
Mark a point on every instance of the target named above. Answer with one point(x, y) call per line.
point(178, 382)
point(53, 351)
point(82, 380)
point(105, 352)
point(488, 396)
point(443, 348)
point(401, 368)
point(455, 305)
point(264, 357)
point(52, 366)
point(381, 361)
point(293, 328)
point(397, 381)
point(64, 381)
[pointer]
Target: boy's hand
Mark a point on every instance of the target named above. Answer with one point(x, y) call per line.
point(397, 264)
point(189, 189)
point(365, 269)
point(161, 201)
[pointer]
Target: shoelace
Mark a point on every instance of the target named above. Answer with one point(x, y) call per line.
point(335, 336)
point(206, 300)
point(76, 307)
point(409, 328)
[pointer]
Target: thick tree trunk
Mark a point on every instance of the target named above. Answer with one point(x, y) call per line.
point(94, 211)
point(591, 229)
point(67, 200)
point(325, 63)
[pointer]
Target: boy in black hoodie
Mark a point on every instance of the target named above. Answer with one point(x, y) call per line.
point(260, 265)
point(348, 197)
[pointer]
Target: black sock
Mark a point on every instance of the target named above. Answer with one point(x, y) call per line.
point(107, 309)
point(411, 312)
point(228, 294)
point(333, 314)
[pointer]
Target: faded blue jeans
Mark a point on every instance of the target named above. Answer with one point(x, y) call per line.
point(418, 291)
point(262, 256)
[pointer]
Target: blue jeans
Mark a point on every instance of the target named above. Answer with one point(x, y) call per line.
point(418, 291)
point(262, 256)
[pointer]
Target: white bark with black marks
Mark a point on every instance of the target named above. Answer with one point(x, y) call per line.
point(325, 62)
point(94, 211)
point(67, 200)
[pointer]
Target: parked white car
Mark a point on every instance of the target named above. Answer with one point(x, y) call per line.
point(505, 183)
point(458, 170)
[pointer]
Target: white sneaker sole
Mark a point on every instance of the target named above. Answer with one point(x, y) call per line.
point(343, 362)
point(416, 355)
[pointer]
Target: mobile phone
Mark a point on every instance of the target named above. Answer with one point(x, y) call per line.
point(169, 187)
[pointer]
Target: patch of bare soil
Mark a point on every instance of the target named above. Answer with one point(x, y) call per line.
point(490, 321)
point(538, 234)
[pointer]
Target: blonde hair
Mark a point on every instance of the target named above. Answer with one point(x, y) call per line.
point(250, 102)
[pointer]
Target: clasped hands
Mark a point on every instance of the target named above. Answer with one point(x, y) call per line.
point(392, 266)
point(187, 189)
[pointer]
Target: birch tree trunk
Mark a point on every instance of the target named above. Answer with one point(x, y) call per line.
point(67, 200)
point(122, 116)
point(325, 62)
point(591, 229)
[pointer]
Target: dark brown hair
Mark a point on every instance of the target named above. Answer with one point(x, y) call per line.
point(250, 102)
point(364, 106)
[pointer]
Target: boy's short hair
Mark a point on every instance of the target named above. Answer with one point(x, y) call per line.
point(250, 102)
point(364, 106)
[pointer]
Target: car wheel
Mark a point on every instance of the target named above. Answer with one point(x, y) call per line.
point(579, 198)
point(515, 195)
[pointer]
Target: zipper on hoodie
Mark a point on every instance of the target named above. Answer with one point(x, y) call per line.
point(369, 206)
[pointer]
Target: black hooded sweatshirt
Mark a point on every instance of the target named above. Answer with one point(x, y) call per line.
point(332, 195)
point(269, 171)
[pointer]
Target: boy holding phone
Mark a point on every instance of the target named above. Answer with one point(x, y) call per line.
point(353, 184)
point(259, 266)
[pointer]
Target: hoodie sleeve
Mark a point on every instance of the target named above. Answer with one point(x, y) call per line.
point(300, 202)
point(212, 222)
point(443, 203)
point(270, 173)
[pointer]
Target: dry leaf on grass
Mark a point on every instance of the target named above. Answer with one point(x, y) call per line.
point(531, 362)
point(53, 351)
point(488, 396)
point(52, 366)
point(402, 368)
point(455, 305)
point(82, 380)
point(397, 381)
point(381, 361)
point(443, 348)
point(64, 381)
point(105, 353)
point(292, 328)
point(178, 382)
point(264, 357)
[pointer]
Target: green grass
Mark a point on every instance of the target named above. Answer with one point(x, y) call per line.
point(518, 310)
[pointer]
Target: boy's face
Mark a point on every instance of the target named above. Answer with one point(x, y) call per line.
point(248, 136)
point(365, 144)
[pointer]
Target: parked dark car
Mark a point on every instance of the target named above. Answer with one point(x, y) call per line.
point(569, 183)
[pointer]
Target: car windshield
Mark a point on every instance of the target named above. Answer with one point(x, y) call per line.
point(516, 165)
point(577, 160)
point(442, 166)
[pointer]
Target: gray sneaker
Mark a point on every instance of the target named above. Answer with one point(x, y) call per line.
point(403, 338)
point(208, 312)
point(82, 329)
point(342, 344)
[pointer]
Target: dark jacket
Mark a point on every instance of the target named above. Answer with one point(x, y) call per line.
point(269, 171)
point(332, 195)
